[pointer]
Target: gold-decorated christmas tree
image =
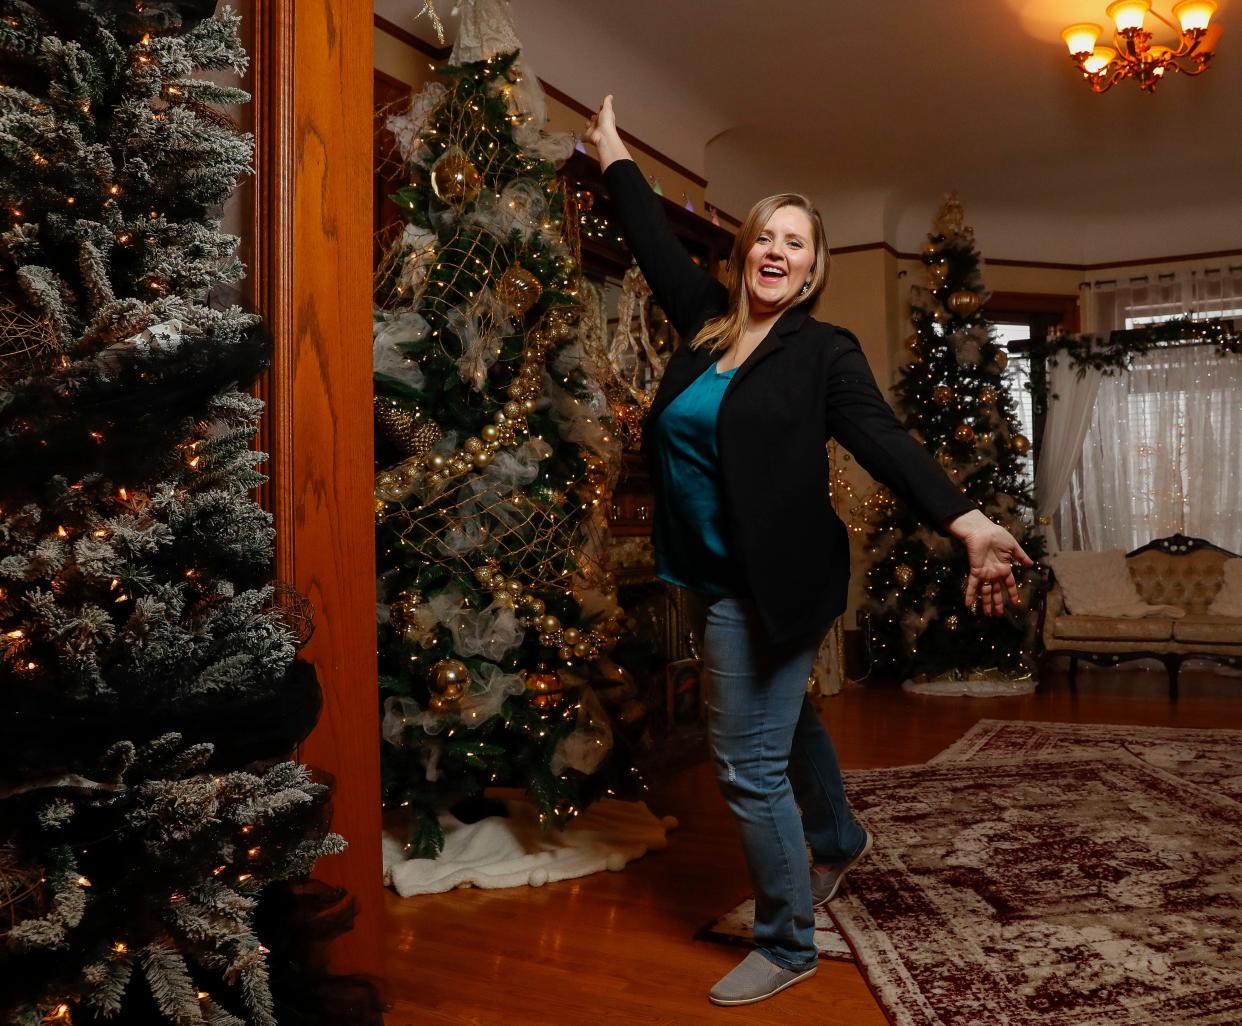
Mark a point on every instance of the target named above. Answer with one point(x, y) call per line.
point(495, 450)
point(953, 396)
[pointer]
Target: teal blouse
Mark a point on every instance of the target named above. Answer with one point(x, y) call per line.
point(688, 532)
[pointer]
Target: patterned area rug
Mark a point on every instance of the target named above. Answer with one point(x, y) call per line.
point(1061, 891)
point(1212, 758)
point(737, 926)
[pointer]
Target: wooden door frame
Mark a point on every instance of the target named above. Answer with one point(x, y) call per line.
point(310, 277)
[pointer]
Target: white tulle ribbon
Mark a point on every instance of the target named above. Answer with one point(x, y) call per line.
point(408, 126)
point(389, 331)
point(591, 740)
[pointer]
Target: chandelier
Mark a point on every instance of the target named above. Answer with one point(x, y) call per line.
point(1133, 54)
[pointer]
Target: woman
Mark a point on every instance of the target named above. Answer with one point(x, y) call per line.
point(736, 435)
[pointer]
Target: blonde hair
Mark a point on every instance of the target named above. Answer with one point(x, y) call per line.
point(719, 332)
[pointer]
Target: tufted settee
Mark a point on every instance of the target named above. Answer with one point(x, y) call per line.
point(1178, 571)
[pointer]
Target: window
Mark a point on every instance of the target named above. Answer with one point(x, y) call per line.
point(1017, 376)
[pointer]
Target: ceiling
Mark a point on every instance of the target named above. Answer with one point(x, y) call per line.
point(878, 108)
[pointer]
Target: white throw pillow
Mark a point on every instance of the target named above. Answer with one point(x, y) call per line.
point(1099, 584)
point(1228, 601)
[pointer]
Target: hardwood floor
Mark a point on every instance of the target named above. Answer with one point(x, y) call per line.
point(617, 948)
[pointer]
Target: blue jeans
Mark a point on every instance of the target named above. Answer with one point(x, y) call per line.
point(772, 755)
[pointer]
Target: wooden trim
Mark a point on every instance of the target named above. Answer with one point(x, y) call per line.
point(1077, 268)
point(1214, 255)
point(630, 138)
point(866, 247)
point(723, 215)
point(1063, 305)
point(312, 281)
point(384, 25)
point(270, 271)
point(392, 80)
point(438, 53)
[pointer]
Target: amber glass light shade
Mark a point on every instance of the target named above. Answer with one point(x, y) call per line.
point(1101, 57)
point(1194, 15)
point(1128, 14)
point(1081, 38)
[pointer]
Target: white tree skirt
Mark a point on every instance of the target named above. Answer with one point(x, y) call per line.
point(514, 851)
point(971, 688)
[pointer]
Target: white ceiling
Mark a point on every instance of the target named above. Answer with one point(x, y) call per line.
point(876, 108)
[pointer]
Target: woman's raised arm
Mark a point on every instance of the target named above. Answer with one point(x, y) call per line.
point(684, 290)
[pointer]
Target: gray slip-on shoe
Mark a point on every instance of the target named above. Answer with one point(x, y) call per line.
point(826, 882)
point(755, 978)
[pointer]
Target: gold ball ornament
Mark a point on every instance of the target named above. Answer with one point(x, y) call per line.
point(402, 609)
point(1020, 444)
point(904, 574)
point(447, 673)
point(1000, 358)
point(572, 635)
point(544, 686)
point(550, 624)
point(963, 303)
point(964, 433)
point(988, 395)
point(396, 483)
point(441, 705)
point(518, 289)
point(454, 179)
point(942, 394)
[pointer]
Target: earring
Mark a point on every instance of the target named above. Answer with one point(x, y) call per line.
point(805, 285)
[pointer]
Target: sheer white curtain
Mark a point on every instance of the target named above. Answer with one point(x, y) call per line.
point(1163, 453)
point(1071, 400)
point(1157, 449)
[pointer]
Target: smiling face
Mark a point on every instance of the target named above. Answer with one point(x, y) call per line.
point(780, 261)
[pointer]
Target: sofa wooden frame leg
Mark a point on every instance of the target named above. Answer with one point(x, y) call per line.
point(1173, 664)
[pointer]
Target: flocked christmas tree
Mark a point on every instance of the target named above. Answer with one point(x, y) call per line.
point(495, 449)
point(953, 396)
point(148, 684)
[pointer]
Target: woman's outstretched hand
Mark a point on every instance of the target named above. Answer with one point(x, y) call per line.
point(601, 132)
point(992, 551)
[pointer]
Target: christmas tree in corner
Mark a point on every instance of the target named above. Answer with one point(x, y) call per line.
point(495, 448)
point(953, 397)
point(148, 683)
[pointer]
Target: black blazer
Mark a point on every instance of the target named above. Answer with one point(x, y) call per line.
point(805, 383)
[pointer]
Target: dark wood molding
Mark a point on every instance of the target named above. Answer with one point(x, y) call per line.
point(397, 85)
point(1076, 268)
point(1056, 308)
point(442, 53)
point(864, 247)
point(437, 53)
